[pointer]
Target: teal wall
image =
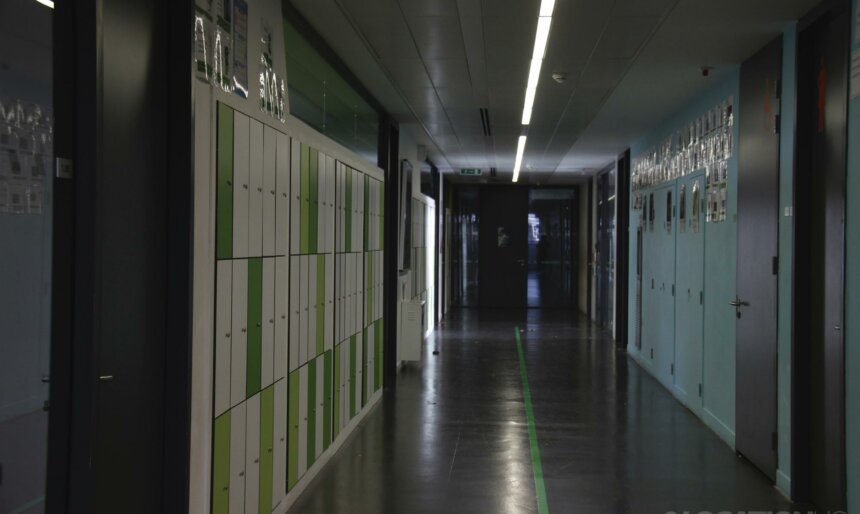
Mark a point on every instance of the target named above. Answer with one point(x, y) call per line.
point(852, 300)
point(717, 408)
point(786, 240)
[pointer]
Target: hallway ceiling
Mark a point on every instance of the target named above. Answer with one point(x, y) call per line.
point(434, 64)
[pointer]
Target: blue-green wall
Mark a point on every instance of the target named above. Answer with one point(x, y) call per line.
point(852, 300)
point(720, 265)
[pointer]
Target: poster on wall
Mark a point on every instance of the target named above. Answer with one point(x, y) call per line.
point(682, 209)
point(696, 207)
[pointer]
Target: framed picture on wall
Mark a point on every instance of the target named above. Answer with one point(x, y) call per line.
point(404, 249)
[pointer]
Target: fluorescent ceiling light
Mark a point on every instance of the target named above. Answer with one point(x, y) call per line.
point(542, 36)
point(521, 148)
point(47, 3)
point(534, 73)
point(546, 7)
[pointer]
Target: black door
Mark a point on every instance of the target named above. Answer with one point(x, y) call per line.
point(819, 389)
point(503, 246)
point(758, 220)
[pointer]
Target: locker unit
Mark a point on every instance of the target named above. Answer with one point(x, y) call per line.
point(298, 308)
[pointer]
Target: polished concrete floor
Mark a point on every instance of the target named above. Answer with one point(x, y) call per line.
point(452, 435)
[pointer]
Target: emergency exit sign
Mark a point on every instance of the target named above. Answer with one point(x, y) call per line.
point(470, 172)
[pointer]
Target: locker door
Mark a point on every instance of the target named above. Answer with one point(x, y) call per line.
point(252, 455)
point(338, 205)
point(302, 448)
point(350, 302)
point(311, 341)
point(295, 306)
point(380, 327)
point(370, 368)
point(336, 394)
point(237, 459)
point(330, 167)
point(255, 213)
point(255, 327)
point(241, 184)
point(266, 448)
point(239, 333)
point(224, 187)
point(359, 291)
point(279, 460)
point(360, 363)
point(270, 198)
point(319, 282)
point(344, 403)
point(320, 406)
point(293, 424)
point(327, 396)
point(353, 377)
point(221, 465)
point(282, 203)
point(313, 200)
point(329, 302)
point(312, 412)
point(305, 171)
point(303, 311)
point(322, 227)
point(223, 322)
point(295, 196)
point(282, 312)
point(267, 361)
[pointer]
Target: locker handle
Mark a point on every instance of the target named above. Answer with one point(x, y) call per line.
point(245, 186)
point(225, 488)
point(229, 182)
point(270, 450)
point(271, 321)
point(259, 189)
point(272, 191)
point(241, 473)
point(259, 324)
point(244, 330)
point(256, 461)
point(227, 335)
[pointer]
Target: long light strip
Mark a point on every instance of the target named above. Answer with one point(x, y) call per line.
point(541, 39)
point(521, 148)
point(47, 3)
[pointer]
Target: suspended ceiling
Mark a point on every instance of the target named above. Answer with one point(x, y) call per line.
point(433, 64)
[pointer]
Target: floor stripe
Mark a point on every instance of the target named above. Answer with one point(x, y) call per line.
point(537, 468)
point(27, 506)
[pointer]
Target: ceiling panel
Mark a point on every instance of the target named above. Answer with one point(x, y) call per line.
point(625, 36)
point(429, 7)
point(438, 37)
point(449, 73)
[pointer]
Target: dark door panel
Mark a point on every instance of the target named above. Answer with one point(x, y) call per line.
point(503, 246)
point(758, 226)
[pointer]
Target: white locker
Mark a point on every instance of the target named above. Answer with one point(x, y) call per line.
point(303, 421)
point(344, 383)
point(223, 322)
point(237, 459)
point(255, 213)
point(282, 204)
point(347, 300)
point(279, 459)
point(252, 455)
point(369, 357)
point(320, 410)
point(329, 301)
point(359, 292)
point(270, 172)
point(339, 312)
point(311, 341)
point(239, 356)
point(282, 313)
point(295, 312)
point(329, 178)
point(267, 371)
point(359, 369)
point(241, 184)
point(341, 208)
point(304, 312)
point(295, 196)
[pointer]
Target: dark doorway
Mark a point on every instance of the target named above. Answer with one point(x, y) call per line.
point(818, 432)
point(758, 226)
point(503, 246)
point(604, 259)
point(551, 278)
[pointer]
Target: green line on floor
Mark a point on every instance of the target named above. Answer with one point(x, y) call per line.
point(537, 468)
point(27, 506)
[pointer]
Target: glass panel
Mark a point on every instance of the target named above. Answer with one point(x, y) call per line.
point(464, 247)
point(26, 156)
point(551, 251)
point(321, 97)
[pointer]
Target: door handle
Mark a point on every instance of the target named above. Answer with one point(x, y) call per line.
point(738, 303)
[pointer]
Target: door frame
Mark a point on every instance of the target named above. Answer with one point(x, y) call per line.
point(800, 443)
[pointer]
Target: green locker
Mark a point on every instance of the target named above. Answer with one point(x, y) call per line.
point(221, 466)
point(255, 326)
point(293, 431)
point(224, 187)
point(336, 395)
point(378, 335)
point(327, 413)
point(267, 447)
point(312, 412)
point(313, 201)
point(353, 376)
point(348, 210)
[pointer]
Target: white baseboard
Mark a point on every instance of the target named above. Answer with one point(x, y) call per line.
point(783, 484)
point(720, 428)
point(320, 463)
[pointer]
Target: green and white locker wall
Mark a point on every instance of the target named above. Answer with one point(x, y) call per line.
point(288, 288)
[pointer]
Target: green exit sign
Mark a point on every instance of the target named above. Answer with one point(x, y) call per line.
point(470, 172)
